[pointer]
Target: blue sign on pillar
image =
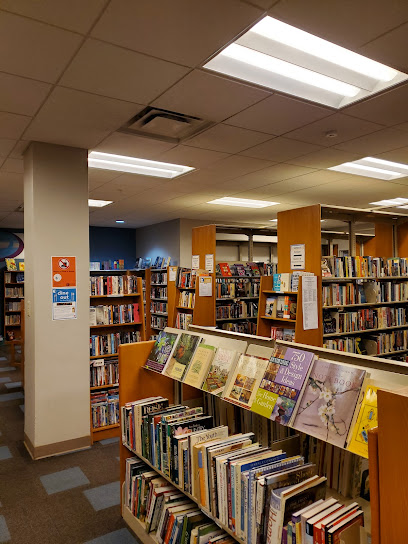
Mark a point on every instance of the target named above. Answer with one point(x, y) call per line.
point(64, 303)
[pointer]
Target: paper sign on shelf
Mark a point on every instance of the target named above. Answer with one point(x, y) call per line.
point(297, 257)
point(195, 262)
point(309, 302)
point(172, 273)
point(209, 262)
point(64, 291)
point(204, 286)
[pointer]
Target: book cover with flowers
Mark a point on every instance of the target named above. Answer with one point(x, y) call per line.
point(327, 405)
point(161, 351)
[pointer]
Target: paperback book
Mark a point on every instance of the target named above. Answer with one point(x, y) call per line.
point(245, 379)
point(181, 356)
point(222, 364)
point(199, 365)
point(161, 351)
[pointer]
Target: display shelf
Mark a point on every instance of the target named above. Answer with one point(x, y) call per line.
point(14, 283)
point(159, 284)
point(12, 311)
point(158, 313)
point(186, 288)
point(163, 299)
point(278, 319)
point(105, 428)
point(332, 334)
point(364, 304)
point(116, 325)
point(99, 387)
point(104, 356)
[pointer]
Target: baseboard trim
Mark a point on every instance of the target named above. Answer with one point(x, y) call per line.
point(58, 448)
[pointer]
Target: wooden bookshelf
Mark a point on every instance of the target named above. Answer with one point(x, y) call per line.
point(11, 295)
point(110, 431)
point(152, 300)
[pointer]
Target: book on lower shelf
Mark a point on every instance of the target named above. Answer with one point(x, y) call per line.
point(105, 408)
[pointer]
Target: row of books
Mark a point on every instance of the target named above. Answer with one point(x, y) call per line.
point(105, 408)
point(238, 309)
point(14, 292)
point(107, 265)
point(104, 372)
point(114, 314)
point(158, 322)
point(107, 344)
point(372, 344)
point(186, 278)
point(186, 299)
point(159, 278)
point(364, 267)
point(158, 292)
point(237, 287)
point(17, 278)
point(245, 327)
point(112, 285)
point(158, 307)
point(281, 333)
point(337, 294)
point(13, 265)
point(259, 493)
point(363, 319)
point(288, 281)
point(183, 320)
point(12, 320)
point(281, 306)
point(161, 262)
point(238, 269)
point(12, 306)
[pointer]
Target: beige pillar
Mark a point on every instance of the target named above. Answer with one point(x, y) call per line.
point(56, 223)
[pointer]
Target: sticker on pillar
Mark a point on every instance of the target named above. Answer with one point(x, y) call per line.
point(64, 302)
point(63, 271)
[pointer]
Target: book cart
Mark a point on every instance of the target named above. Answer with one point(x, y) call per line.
point(110, 431)
point(385, 461)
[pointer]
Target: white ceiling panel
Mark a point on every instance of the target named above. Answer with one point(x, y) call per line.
point(191, 156)
point(345, 126)
point(278, 114)
point(97, 177)
point(132, 183)
point(281, 149)
point(6, 146)
point(326, 158)
point(12, 125)
point(13, 220)
point(227, 138)
point(389, 48)
point(208, 96)
point(133, 146)
point(272, 174)
point(79, 119)
point(75, 15)
point(235, 166)
point(19, 149)
point(182, 31)
point(116, 72)
point(397, 155)
point(21, 95)
point(350, 24)
point(12, 184)
point(377, 142)
point(35, 50)
point(8, 205)
point(13, 165)
point(388, 108)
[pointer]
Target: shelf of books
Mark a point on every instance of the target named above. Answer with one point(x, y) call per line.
point(277, 448)
point(13, 297)
point(162, 297)
point(116, 317)
point(185, 295)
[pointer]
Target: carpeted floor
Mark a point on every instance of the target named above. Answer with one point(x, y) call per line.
point(69, 499)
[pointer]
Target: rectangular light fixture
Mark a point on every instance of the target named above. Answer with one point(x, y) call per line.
point(285, 58)
point(92, 203)
point(373, 168)
point(132, 165)
point(391, 202)
point(242, 202)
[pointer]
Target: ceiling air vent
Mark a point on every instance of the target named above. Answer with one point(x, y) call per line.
point(164, 125)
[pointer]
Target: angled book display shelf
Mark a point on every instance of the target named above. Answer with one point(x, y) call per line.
point(138, 382)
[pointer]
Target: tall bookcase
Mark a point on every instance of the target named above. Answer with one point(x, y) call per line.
point(110, 431)
point(13, 297)
point(160, 297)
point(185, 293)
point(265, 322)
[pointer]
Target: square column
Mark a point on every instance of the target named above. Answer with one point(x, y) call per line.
point(56, 224)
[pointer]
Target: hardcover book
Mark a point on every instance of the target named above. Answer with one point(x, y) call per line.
point(328, 402)
point(245, 379)
point(366, 419)
point(161, 351)
point(281, 386)
point(199, 365)
point(225, 269)
point(182, 355)
point(222, 364)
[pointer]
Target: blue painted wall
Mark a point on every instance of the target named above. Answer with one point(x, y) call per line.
point(112, 243)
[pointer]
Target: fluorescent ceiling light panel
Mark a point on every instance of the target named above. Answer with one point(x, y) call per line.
point(373, 168)
point(132, 165)
point(119, 221)
point(391, 202)
point(281, 57)
point(242, 202)
point(92, 203)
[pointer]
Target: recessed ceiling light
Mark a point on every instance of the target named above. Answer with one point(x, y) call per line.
point(92, 203)
point(132, 165)
point(119, 221)
point(279, 56)
point(273, 220)
point(242, 202)
point(391, 202)
point(373, 168)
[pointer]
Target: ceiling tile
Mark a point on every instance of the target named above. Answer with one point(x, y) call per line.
point(79, 119)
point(388, 108)
point(396, 155)
point(13, 220)
point(133, 146)
point(274, 173)
point(13, 165)
point(227, 139)
point(350, 24)
point(326, 158)
point(377, 142)
point(263, 4)
point(75, 15)
point(21, 95)
point(19, 149)
point(12, 125)
point(280, 149)
point(208, 96)
point(140, 183)
point(35, 50)
point(112, 71)
point(345, 126)
point(6, 145)
point(11, 184)
point(97, 177)
point(389, 48)
point(278, 114)
point(191, 156)
point(175, 31)
point(235, 166)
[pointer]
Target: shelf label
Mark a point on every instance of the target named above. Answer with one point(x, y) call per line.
point(297, 257)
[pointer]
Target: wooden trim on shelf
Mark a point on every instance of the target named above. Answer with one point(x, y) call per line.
point(105, 356)
point(278, 319)
point(363, 304)
point(116, 325)
point(115, 296)
point(109, 386)
point(281, 292)
point(334, 334)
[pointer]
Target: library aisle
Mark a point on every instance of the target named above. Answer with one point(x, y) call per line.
point(69, 499)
